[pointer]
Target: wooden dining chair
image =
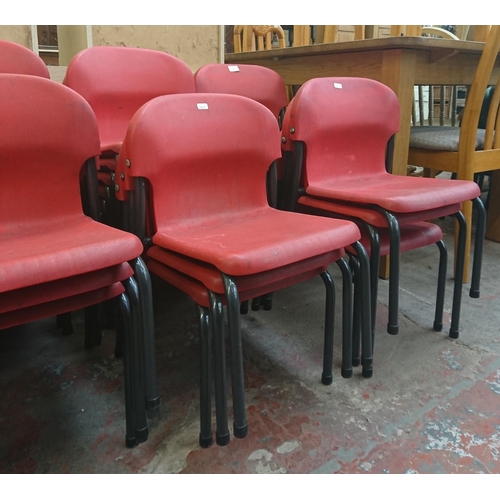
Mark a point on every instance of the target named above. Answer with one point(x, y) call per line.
point(339, 33)
point(465, 150)
point(257, 37)
point(441, 99)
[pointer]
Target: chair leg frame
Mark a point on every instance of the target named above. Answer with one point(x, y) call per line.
point(143, 280)
point(222, 436)
point(443, 263)
point(364, 305)
point(137, 431)
point(240, 426)
point(204, 326)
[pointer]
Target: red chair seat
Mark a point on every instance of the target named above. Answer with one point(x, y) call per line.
point(56, 249)
point(396, 193)
point(54, 290)
point(372, 216)
point(210, 276)
point(243, 244)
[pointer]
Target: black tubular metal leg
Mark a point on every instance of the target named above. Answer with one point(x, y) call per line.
point(346, 370)
point(374, 267)
point(240, 427)
point(478, 249)
point(443, 262)
point(326, 376)
point(205, 377)
point(93, 332)
point(459, 275)
point(143, 279)
point(216, 324)
point(64, 322)
point(129, 373)
point(134, 349)
point(395, 238)
point(356, 321)
point(365, 305)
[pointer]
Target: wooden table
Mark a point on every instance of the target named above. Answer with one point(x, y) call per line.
point(398, 62)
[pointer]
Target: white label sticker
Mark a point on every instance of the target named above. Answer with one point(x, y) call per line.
point(337, 85)
point(202, 105)
point(233, 69)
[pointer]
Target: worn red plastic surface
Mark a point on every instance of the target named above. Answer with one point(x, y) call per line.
point(117, 81)
point(256, 82)
point(206, 157)
point(44, 235)
point(345, 124)
point(15, 58)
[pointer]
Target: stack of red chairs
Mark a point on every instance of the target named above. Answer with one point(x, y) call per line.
point(53, 258)
point(116, 82)
point(200, 162)
point(339, 132)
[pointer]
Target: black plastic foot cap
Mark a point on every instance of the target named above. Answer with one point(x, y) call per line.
point(153, 404)
point(240, 432)
point(367, 370)
point(356, 361)
point(454, 334)
point(474, 294)
point(131, 442)
point(222, 440)
point(141, 435)
point(206, 442)
point(438, 327)
point(393, 329)
point(326, 379)
point(346, 372)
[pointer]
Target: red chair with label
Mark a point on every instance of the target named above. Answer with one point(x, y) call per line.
point(202, 161)
point(116, 82)
point(340, 131)
point(53, 258)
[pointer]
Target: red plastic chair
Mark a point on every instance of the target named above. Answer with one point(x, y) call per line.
point(340, 130)
point(262, 85)
point(15, 58)
point(116, 82)
point(255, 82)
point(204, 160)
point(53, 258)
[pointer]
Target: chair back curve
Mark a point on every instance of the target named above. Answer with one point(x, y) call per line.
point(15, 58)
point(45, 139)
point(345, 124)
point(256, 82)
point(117, 81)
point(175, 140)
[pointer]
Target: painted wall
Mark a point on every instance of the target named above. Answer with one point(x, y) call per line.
point(195, 45)
point(16, 33)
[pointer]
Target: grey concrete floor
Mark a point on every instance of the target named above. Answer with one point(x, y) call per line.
point(432, 405)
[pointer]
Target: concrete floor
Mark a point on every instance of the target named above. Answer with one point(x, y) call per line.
point(432, 406)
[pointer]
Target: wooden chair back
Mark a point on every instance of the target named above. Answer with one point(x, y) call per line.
point(248, 38)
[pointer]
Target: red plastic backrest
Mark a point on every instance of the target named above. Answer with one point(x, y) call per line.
point(256, 82)
point(15, 58)
point(117, 81)
point(48, 132)
point(345, 124)
point(204, 155)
